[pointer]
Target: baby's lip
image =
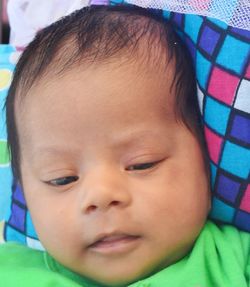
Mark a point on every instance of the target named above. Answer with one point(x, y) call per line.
point(114, 237)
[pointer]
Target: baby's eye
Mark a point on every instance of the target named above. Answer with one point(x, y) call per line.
point(142, 166)
point(63, 180)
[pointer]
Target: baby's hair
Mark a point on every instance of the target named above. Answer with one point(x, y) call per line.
point(99, 34)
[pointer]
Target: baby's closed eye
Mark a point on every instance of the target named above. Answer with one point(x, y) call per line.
point(142, 166)
point(63, 180)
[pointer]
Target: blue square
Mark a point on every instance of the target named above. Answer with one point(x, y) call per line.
point(241, 128)
point(18, 194)
point(216, 115)
point(236, 160)
point(242, 220)
point(209, 39)
point(17, 218)
point(233, 54)
point(178, 18)
point(166, 14)
point(5, 192)
point(203, 68)
point(115, 2)
point(228, 188)
point(11, 234)
point(30, 230)
point(218, 23)
point(222, 211)
point(192, 26)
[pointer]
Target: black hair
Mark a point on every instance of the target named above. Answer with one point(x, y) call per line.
point(94, 34)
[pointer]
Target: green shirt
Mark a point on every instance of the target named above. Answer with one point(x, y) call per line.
point(219, 258)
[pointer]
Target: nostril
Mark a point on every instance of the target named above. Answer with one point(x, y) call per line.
point(91, 208)
point(115, 203)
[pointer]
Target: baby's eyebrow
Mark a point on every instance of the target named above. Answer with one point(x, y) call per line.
point(126, 138)
point(140, 138)
point(52, 150)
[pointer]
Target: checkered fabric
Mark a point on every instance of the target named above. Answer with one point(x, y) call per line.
point(221, 55)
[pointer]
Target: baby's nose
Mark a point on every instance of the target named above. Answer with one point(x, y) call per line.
point(102, 190)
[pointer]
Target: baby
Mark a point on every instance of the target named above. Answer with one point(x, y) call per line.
point(104, 132)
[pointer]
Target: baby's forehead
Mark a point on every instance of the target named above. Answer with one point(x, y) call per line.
point(122, 74)
point(114, 97)
point(147, 70)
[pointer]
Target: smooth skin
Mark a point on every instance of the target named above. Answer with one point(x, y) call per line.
point(116, 186)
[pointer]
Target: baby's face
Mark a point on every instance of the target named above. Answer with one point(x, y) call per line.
point(116, 187)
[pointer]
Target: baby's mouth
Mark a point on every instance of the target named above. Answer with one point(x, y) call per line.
point(114, 243)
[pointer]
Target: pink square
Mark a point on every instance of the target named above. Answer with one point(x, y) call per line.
point(214, 144)
point(223, 86)
point(247, 75)
point(245, 202)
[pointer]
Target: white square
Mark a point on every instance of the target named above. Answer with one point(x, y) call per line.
point(200, 96)
point(34, 243)
point(242, 99)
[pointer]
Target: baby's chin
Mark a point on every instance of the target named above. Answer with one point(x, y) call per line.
point(117, 280)
point(126, 276)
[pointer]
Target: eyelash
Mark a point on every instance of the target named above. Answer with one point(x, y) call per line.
point(63, 180)
point(142, 166)
point(69, 179)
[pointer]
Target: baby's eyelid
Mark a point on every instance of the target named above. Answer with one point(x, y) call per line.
point(61, 181)
point(143, 166)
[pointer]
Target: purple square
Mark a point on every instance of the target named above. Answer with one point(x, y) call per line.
point(18, 194)
point(242, 32)
point(240, 128)
point(242, 220)
point(209, 39)
point(178, 19)
point(17, 219)
point(228, 188)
